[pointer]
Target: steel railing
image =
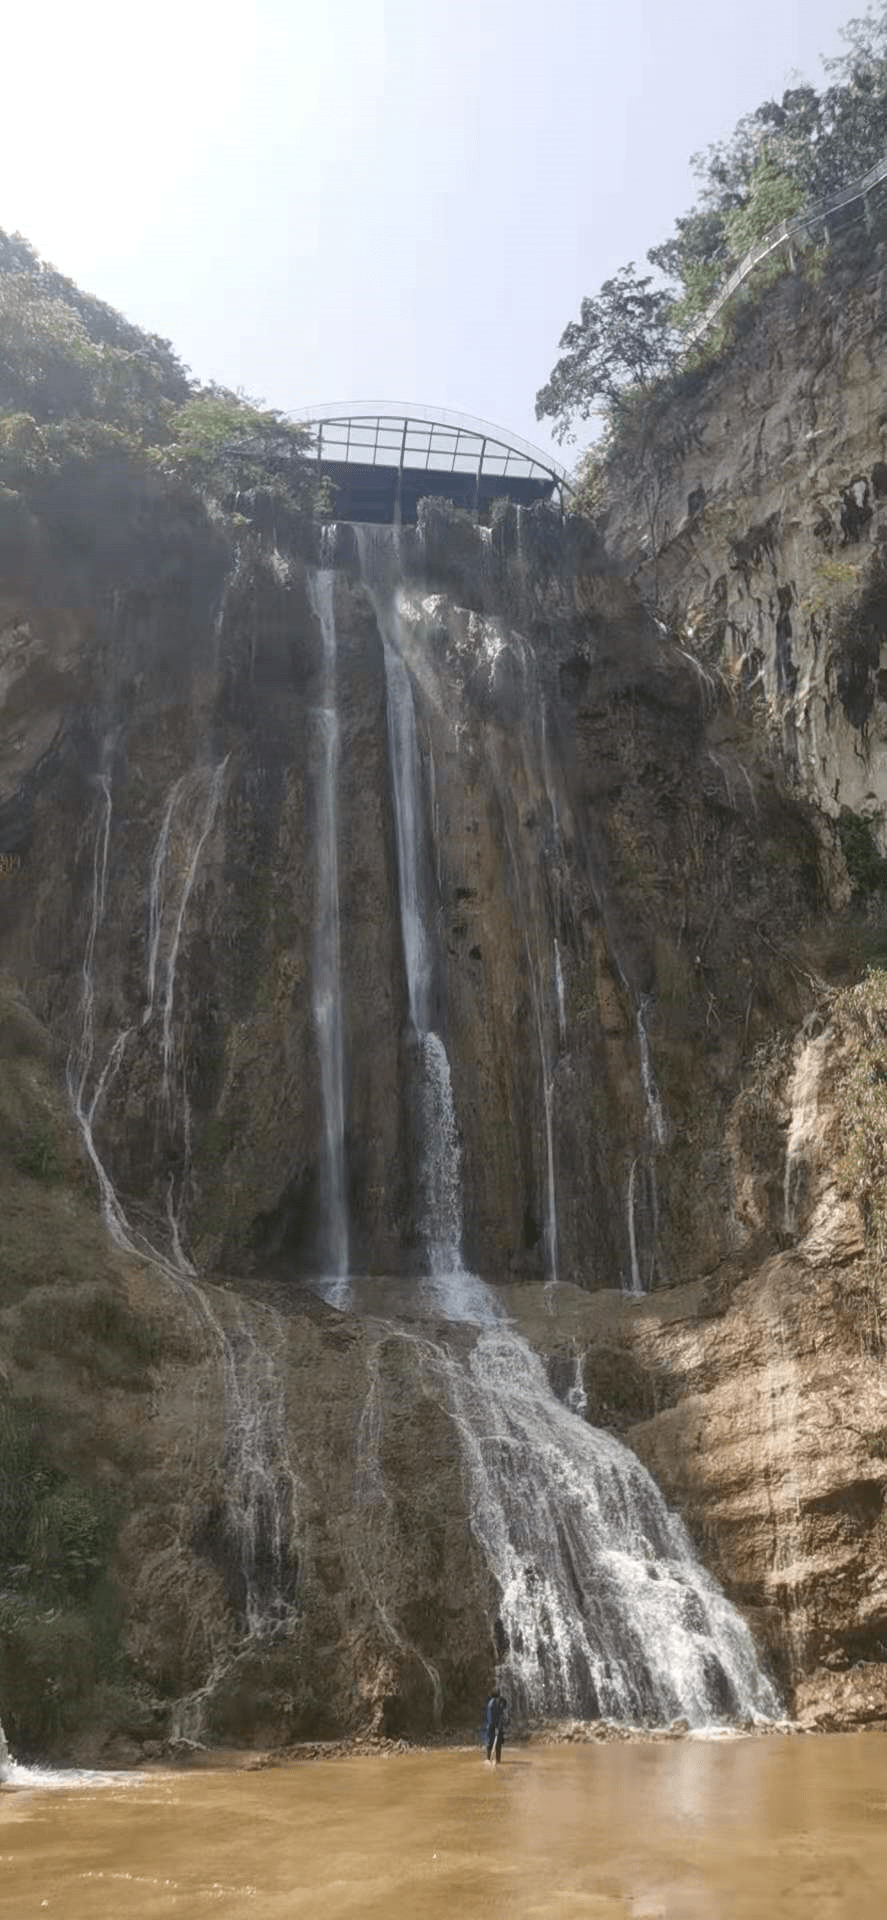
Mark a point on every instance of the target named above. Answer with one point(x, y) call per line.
point(783, 236)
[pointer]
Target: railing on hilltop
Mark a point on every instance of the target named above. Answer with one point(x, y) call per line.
point(784, 236)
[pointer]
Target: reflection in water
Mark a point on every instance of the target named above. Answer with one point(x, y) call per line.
point(758, 1829)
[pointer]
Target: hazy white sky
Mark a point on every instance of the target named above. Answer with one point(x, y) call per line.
point(349, 199)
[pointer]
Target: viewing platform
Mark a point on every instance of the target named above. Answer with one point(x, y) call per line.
point(383, 458)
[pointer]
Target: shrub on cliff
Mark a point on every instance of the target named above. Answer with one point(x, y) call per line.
point(232, 448)
point(865, 865)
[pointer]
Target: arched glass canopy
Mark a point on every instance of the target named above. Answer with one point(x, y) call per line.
point(383, 457)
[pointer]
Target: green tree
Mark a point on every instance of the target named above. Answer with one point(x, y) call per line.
point(773, 198)
point(232, 447)
point(622, 342)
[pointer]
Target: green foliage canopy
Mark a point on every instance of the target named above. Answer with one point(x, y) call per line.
point(77, 381)
point(621, 342)
point(231, 446)
point(799, 149)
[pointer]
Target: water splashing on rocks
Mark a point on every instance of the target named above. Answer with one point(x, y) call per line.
point(603, 1609)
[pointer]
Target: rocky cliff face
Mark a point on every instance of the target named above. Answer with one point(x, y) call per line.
point(756, 1395)
point(758, 525)
point(590, 823)
point(627, 911)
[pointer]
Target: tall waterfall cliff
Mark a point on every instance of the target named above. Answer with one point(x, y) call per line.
point(411, 1140)
point(757, 522)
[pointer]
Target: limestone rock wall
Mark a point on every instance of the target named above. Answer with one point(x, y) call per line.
point(592, 846)
point(758, 526)
point(622, 893)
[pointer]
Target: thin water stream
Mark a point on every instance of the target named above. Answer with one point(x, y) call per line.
point(260, 1485)
point(774, 1829)
point(448, 1286)
point(327, 981)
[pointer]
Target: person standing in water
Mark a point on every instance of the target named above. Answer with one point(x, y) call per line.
point(497, 1718)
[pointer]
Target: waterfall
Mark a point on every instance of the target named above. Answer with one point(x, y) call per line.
point(80, 1060)
point(4, 1756)
point(196, 796)
point(156, 895)
point(656, 1136)
point(404, 753)
point(260, 1486)
point(577, 1398)
point(603, 1608)
point(327, 987)
point(637, 1285)
point(657, 1125)
point(539, 1000)
point(561, 1000)
point(188, 820)
point(450, 1288)
point(205, 785)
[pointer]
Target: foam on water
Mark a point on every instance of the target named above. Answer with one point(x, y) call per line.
point(64, 1779)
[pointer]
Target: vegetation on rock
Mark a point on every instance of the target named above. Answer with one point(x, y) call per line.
point(789, 152)
point(70, 1345)
point(78, 382)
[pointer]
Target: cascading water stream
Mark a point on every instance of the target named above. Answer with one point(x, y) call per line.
point(206, 786)
point(657, 1124)
point(539, 1000)
point(561, 998)
point(603, 1608)
point(455, 1292)
point(80, 1062)
point(4, 1756)
point(188, 820)
point(642, 1172)
point(260, 1485)
point(327, 986)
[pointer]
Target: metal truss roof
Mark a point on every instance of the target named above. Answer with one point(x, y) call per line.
point(405, 436)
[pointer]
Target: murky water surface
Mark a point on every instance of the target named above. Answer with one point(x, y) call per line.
point(730, 1830)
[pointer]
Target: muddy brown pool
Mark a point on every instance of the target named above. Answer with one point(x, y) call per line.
point(740, 1829)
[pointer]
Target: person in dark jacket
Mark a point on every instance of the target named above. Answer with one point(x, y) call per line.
point(496, 1721)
